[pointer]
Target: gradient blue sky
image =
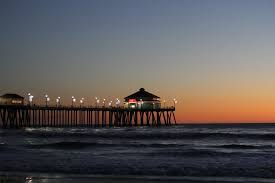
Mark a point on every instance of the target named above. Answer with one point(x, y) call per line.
point(217, 57)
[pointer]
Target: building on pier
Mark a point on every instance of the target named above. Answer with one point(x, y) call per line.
point(142, 100)
point(11, 99)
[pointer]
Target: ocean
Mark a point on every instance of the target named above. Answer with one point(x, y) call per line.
point(182, 153)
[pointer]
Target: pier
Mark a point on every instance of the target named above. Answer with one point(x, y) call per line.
point(12, 116)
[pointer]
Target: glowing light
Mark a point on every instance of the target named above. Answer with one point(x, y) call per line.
point(104, 102)
point(175, 102)
point(73, 100)
point(47, 99)
point(30, 97)
point(81, 101)
point(132, 100)
point(117, 102)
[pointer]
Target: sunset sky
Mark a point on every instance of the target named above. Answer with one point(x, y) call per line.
point(217, 57)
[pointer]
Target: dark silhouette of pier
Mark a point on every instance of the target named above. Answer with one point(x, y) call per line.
point(12, 116)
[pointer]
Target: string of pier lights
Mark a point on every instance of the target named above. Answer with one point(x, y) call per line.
point(47, 100)
point(97, 101)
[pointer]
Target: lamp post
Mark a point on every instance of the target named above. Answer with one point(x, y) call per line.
point(175, 102)
point(58, 102)
point(30, 99)
point(81, 102)
point(117, 102)
point(47, 99)
point(97, 102)
point(96, 99)
point(164, 103)
point(104, 102)
point(73, 101)
point(110, 103)
point(29, 94)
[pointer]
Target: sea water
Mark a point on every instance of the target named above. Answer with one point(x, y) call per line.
point(191, 153)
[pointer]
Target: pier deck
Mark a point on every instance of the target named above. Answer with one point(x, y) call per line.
point(61, 116)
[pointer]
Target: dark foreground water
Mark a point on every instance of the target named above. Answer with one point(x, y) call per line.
point(188, 153)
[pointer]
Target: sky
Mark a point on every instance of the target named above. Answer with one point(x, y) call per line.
point(216, 57)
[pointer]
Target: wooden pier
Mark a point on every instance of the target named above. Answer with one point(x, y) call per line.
point(43, 116)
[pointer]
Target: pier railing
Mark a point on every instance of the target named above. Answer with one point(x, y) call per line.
point(87, 116)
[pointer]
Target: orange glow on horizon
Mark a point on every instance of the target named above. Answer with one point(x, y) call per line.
point(226, 111)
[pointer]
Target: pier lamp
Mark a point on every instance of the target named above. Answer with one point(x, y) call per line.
point(175, 102)
point(73, 100)
point(110, 103)
point(104, 102)
point(153, 105)
point(46, 99)
point(81, 102)
point(164, 101)
point(97, 102)
point(29, 94)
point(58, 101)
point(117, 102)
point(30, 98)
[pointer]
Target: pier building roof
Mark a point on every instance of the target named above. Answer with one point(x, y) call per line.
point(12, 95)
point(142, 94)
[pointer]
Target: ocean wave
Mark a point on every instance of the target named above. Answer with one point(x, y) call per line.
point(81, 145)
point(243, 146)
point(192, 153)
point(64, 145)
point(148, 135)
